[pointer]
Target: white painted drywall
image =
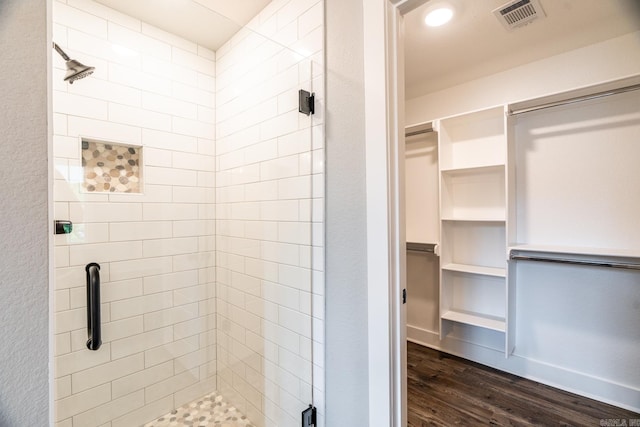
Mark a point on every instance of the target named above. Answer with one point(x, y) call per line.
point(24, 254)
point(609, 60)
point(421, 188)
point(347, 386)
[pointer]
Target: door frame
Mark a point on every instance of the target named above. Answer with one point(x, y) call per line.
point(386, 241)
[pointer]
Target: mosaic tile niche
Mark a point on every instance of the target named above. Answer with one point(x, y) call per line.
point(111, 168)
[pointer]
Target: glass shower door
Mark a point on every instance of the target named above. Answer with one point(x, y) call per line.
point(265, 280)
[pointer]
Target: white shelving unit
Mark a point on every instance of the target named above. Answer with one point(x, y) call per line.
point(474, 208)
point(574, 188)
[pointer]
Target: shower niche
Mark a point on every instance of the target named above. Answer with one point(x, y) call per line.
point(109, 167)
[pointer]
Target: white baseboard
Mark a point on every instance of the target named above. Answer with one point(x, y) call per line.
point(600, 389)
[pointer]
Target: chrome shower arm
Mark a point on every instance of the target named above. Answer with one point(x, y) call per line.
point(61, 52)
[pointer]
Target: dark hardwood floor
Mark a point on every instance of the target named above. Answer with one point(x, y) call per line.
point(445, 390)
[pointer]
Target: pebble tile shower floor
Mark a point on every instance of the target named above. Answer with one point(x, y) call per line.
point(209, 411)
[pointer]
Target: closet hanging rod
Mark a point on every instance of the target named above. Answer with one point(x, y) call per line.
point(418, 129)
point(622, 265)
point(422, 247)
point(575, 99)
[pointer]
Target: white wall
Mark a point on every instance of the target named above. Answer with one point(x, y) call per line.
point(156, 249)
point(421, 188)
point(612, 59)
point(24, 253)
point(347, 384)
point(560, 323)
point(269, 204)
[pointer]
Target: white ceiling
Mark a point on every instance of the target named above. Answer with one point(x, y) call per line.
point(475, 44)
point(209, 23)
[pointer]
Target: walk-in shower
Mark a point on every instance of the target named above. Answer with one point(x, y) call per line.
point(194, 181)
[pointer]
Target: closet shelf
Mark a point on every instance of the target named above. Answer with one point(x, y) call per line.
point(475, 219)
point(476, 269)
point(476, 319)
point(472, 169)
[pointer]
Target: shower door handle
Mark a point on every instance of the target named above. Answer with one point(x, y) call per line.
point(93, 306)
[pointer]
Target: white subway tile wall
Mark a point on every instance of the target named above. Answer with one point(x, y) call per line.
point(212, 279)
point(156, 250)
point(269, 179)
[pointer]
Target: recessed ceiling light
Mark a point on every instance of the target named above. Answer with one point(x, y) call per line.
point(439, 16)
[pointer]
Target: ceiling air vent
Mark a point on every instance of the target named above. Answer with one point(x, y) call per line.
point(518, 13)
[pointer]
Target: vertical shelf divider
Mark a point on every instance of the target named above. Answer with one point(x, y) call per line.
point(511, 232)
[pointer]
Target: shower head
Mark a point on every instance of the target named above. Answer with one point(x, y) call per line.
point(75, 69)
